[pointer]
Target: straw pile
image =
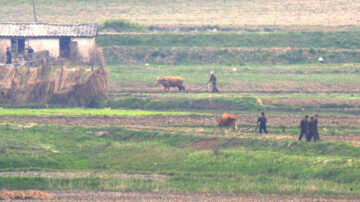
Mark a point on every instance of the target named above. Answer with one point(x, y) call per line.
point(80, 87)
point(22, 195)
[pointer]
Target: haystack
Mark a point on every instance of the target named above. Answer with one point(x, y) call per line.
point(80, 87)
point(22, 195)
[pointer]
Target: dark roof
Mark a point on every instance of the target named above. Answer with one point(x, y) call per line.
point(47, 30)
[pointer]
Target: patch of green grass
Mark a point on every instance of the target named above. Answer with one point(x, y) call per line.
point(239, 184)
point(231, 48)
point(245, 78)
point(233, 101)
point(344, 40)
point(262, 162)
point(332, 106)
point(49, 183)
point(121, 25)
point(243, 103)
point(224, 56)
point(234, 96)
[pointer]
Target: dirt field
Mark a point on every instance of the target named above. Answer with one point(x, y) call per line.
point(160, 196)
point(185, 125)
point(153, 121)
point(247, 87)
point(214, 12)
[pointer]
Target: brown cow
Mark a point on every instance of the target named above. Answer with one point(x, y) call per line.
point(227, 120)
point(169, 81)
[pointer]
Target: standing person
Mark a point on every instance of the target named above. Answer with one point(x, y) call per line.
point(8, 56)
point(262, 121)
point(303, 126)
point(310, 129)
point(316, 131)
point(29, 55)
point(212, 80)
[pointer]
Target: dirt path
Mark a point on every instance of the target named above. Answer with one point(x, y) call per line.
point(230, 89)
point(165, 196)
point(248, 119)
point(83, 174)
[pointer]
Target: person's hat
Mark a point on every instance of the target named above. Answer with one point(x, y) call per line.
point(212, 72)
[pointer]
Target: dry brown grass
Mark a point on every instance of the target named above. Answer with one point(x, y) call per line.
point(199, 12)
point(28, 194)
point(22, 85)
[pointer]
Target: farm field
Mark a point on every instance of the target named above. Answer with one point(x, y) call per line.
point(170, 157)
point(348, 39)
point(299, 78)
point(167, 12)
point(143, 144)
point(228, 48)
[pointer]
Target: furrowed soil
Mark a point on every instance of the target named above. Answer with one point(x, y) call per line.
point(245, 119)
point(164, 196)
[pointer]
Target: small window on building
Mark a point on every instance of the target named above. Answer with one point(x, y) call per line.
point(18, 46)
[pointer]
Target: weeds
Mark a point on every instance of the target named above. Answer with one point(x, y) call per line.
point(121, 25)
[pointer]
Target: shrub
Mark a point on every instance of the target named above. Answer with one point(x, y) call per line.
point(330, 105)
point(122, 26)
point(94, 104)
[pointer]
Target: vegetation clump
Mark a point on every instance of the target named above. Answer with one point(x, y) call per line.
point(121, 25)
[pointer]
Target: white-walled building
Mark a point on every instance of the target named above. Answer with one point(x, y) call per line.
point(61, 40)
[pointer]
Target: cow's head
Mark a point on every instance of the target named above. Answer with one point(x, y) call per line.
point(160, 80)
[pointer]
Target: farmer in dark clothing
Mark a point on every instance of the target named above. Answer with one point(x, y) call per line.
point(310, 129)
point(8, 56)
point(212, 80)
point(30, 50)
point(303, 126)
point(262, 121)
point(315, 126)
point(29, 55)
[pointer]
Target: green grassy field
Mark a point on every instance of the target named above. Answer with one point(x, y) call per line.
point(248, 78)
point(235, 102)
point(265, 56)
point(315, 39)
point(238, 165)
